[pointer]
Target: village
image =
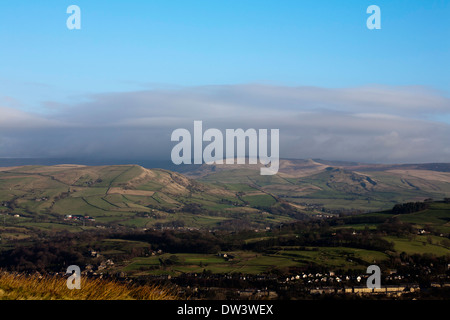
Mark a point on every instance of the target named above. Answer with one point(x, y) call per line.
point(310, 285)
point(251, 287)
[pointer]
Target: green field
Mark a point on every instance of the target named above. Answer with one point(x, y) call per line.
point(263, 200)
point(127, 195)
point(334, 188)
point(247, 262)
point(437, 216)
point(420, 245)
point(134, 198)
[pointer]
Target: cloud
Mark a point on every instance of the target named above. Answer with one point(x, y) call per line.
point(370, 124)
point(15, 119)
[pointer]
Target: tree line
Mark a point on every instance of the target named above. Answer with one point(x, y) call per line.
point(410, 207)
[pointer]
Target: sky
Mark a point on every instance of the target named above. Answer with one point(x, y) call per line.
point(137, 70)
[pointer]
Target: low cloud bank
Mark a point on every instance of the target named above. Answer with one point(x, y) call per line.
point(380, 124)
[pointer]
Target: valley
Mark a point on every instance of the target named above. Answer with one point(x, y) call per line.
point(231, 229)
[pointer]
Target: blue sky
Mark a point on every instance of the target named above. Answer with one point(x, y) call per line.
point(130, 46)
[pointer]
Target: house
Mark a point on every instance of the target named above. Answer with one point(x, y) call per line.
point(392, 271)
point(226, 256)
point(78, 217)
point(101, 267)
point(104, 264)
point(109, 262)
point(94, 253)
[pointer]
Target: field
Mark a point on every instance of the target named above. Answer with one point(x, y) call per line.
point(437, 216)
point(286, 258)
point(275, 224)
point(335, 186)
point(247, 262)
point(420, 245)
point(128, 195)
point(135, 197)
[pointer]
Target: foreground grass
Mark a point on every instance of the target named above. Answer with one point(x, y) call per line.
point(14, 286)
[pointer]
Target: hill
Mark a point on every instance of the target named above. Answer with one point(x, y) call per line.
point(410, 243)
point(336, 186)
point(75, 198)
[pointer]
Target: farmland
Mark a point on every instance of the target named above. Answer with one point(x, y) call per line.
point(143, 224)
point(247, 262)
point(128, 196)
point(335, 186)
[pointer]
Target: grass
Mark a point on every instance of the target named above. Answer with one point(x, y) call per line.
point(53, 226)
point(118, 246)
point(335, 189)
point(256, 263)
point(342, 257)
point(263, 200)
point(33, 287)
point(437, 216)
point(88, 192)
point(240, 187)
point(88, 188)
point(419, 245)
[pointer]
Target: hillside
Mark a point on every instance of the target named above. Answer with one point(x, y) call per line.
point(52, 198)
point(55, 198)
point(333, 185)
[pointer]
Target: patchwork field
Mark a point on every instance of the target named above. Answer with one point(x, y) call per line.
point(246, 262)
point(335, 185)
point(126, 195)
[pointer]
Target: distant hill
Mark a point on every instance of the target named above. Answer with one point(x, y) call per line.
point(70, 197)
point(77, 197)
point(337, 185)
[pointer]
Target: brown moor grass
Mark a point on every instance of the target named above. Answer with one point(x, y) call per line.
point(18, 286)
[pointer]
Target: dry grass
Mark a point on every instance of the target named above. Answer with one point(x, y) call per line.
point(423, 174)
point(15, 286)
point(117, 190)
